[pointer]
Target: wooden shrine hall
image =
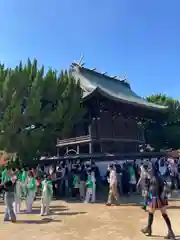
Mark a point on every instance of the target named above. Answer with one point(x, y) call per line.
point(113, 122)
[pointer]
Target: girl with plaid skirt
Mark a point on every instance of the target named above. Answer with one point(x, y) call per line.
point(157, 201)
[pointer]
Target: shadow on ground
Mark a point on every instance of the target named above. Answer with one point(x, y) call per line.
point(67, 213)
point(53, 213)
point(174, 207)
point(133, 200)
point(53, 207)
point(57, 212)
point(53, 210)
point(162, 237)
point(42, 221)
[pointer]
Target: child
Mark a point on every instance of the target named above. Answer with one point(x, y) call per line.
point(31, 191)
point(46, 197)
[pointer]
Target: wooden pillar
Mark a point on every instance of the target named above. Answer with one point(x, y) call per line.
point(89, 130)
point(90, 134)
point(90, 148)
point(67, 149)
point(58, 151)
point(143, 134)
point(77, 149)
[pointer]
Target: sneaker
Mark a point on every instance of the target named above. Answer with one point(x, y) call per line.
point(108, 204)
point(6, 220)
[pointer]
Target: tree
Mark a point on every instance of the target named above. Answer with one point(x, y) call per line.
point(36, 108)
point(165, 132)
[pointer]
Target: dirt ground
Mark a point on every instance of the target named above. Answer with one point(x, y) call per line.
point(78, 221)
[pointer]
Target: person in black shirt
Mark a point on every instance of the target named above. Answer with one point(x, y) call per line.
point(158, 200)
point(125, 180)
point(9, 188)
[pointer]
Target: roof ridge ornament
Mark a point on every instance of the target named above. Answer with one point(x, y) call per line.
point(79, 62)
point(124, 78)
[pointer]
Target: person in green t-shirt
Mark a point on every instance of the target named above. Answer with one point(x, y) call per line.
point(31, 191)
point(24, 175)
point(90, 186)
point(75, 192)
point(23, 179)
point(132, 178)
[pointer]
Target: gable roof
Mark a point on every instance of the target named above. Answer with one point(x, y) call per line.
point(92, 82)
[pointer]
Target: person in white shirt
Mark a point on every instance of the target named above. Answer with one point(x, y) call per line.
point(112, 180)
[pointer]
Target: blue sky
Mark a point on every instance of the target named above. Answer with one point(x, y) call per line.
point(138, 38)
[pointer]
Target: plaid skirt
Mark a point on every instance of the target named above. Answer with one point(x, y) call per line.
point(158, 203)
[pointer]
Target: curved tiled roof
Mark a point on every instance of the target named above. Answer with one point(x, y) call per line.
point(92, 82)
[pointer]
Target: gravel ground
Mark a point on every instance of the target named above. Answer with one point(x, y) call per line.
point(78, 221)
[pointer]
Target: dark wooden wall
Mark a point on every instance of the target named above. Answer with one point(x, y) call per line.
point(118, 127)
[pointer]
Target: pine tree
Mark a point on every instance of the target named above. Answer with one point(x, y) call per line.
point(36, 108)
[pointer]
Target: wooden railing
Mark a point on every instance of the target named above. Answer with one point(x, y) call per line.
point(87, 138)
point(122, 139)
point(75, 140)
point(99, 157)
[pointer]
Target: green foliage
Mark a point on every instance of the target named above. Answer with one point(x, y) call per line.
point(165, 132)
point(36, 109)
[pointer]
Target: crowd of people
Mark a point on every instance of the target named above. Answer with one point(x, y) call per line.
point(17, 185)
point(25, 184)
point(82, 181)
